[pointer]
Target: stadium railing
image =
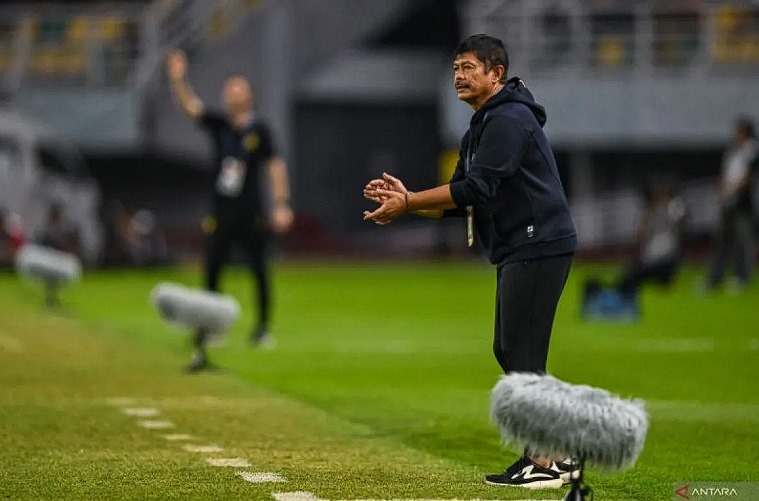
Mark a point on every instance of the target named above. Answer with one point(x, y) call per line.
point(59, 44)
point(631, 36)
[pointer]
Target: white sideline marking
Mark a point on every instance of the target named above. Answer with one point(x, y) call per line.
point(153, 424)
point(233, 462)
point(260, 477)
point(120, 401)
point(141, 411)
point(202, 448)
point(11, 344)
point(295, 496)
point(175, 437)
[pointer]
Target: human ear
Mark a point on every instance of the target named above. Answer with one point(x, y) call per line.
point(497, 73)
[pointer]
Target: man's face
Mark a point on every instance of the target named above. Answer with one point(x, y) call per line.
point(473, 84)
point(237, 95)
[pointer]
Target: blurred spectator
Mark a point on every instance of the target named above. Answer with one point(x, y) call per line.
point(12, 237)
point(116, 220)
point(148, 243)
point(133, 239)
point(660, 239)
point(657, 260)
point(734, 238)
point(59, 233)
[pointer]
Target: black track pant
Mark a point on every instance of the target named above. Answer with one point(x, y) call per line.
point(526, 299)
point(254, 241)
point(734, 242)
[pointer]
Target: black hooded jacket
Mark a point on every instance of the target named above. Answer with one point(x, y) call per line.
point(507, 173)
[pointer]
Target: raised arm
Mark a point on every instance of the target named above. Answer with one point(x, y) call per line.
point(176, 69)
point(282, 216)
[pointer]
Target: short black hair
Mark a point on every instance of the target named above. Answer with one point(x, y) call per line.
point(746, 126)
point(489, 50)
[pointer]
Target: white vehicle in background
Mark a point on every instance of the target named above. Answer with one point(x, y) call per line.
point(38, 168)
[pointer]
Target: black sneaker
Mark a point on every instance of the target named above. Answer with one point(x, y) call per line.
point(569, 469)
point(525, 473)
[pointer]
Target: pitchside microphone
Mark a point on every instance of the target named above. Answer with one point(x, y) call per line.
point(211, 312)
point(52, 267)
point(549, 417)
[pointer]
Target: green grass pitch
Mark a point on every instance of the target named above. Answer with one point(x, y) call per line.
point(378, 387)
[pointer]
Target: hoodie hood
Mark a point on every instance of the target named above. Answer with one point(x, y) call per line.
point(516, 92)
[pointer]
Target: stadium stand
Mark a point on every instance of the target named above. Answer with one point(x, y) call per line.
point(91, 45)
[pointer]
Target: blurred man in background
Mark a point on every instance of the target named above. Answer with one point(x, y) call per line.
point(734, 239)
point(507, 185)
point(12, 237)
point(660, 240)
point(59, 232)
point(133, 239)
point(243, 147)
point(657, 260)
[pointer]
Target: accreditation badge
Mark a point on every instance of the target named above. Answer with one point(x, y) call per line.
point(231, 177)
point(469, 209)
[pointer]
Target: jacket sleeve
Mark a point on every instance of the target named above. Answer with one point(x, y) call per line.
point(458, 175)
point(498, 156)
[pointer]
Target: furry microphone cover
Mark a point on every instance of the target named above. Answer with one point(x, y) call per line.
point(47, 264)
point(195, 308)
point(548, 417)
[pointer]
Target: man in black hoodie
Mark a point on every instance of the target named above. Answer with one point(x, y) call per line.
point(507, 186)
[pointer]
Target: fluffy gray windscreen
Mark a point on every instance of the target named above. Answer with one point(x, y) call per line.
point(47, 264)
point(195, 308)
point(547, 416)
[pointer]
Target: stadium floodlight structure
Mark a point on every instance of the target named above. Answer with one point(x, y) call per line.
point(52, 267)
point(549, 417)
point(199, 310)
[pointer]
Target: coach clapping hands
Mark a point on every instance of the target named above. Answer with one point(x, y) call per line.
point(392, 196)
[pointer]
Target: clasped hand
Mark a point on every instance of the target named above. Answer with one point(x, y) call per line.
point(391, 195)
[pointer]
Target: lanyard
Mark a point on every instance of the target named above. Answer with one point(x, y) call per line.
point(469, 209)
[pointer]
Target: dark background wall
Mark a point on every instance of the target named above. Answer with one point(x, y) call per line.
point(339, 147)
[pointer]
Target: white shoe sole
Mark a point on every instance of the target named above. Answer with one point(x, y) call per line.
point(540, 484)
